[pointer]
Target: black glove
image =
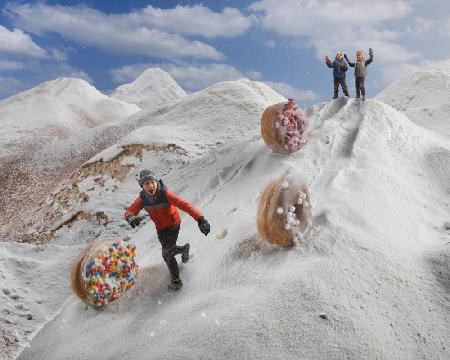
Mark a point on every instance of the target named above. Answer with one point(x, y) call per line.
point(134, 221)
point(370, 51)
point(345, 56)
point(204, 226)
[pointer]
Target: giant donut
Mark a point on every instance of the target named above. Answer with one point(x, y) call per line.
point(104, 271)
point(283, 127)
point(284, 210)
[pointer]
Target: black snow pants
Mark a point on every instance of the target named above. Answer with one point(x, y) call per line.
point(359, 85)
point(168, 239)
point(343, 84)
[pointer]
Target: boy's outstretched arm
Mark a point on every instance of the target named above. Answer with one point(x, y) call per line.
point(182, 204)
point(351, 64)
point(328, 62)
point(370, 57)
point(134, 209)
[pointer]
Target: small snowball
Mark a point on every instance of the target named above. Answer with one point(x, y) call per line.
point(291, 208)
point(285, 185)
point(305, 204)
point(299, 201)
point(287, 226)
point(280, 210)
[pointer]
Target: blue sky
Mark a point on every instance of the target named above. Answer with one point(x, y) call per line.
point(280, 42)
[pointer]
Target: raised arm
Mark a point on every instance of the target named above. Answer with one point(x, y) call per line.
point(328, 62)
point(351, 64)
point(370, 57)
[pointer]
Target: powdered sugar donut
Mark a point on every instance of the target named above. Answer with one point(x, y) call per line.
point(283, 127)
point(284, 210)
point(104, 271)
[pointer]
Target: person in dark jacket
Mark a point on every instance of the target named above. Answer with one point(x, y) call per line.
point(161, 204)
point(360, 71)
point(339, 67)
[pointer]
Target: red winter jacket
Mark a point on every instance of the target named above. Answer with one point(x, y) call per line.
point(164, 213)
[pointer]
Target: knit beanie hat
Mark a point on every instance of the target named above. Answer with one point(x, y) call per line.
point(145, 175)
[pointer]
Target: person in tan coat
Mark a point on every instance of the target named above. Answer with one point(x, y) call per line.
point(360, 71)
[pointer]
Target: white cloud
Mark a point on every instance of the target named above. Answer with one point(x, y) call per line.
point(133, 33)
point(332, 25)
point(309, 17)
point(10, 65)
point(195, 20)
point(59, 55)
point(270, 44)
point(253, 75)
point(291, 92)
point(19, 43)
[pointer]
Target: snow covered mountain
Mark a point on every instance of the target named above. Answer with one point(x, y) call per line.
point(370, 281)
point(424, 96)
point(54, 110)
point(153, 87)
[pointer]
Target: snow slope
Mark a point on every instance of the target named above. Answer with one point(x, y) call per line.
point(424, 96)
point(198, 128)
point(153, 87)
point(371, 281)
point(45, 133)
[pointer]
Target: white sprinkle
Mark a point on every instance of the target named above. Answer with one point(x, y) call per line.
point(287, 226)
point(280, 210)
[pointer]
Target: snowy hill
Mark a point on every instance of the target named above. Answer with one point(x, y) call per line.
point(424, 97)
point(153, 87)
point(54, 110)
point(370, 281)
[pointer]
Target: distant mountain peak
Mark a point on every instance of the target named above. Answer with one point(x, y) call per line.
point(154, 86)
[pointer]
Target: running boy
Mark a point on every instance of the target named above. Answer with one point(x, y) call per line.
point(161, 204)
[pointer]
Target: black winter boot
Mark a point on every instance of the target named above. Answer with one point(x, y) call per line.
point(185, 253)
point(175, 285)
